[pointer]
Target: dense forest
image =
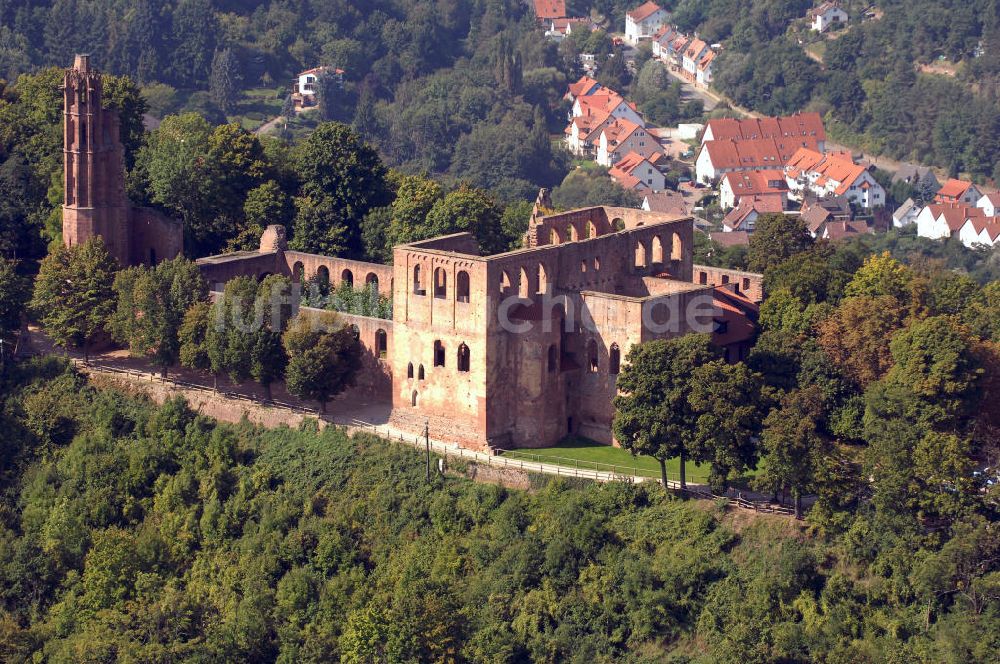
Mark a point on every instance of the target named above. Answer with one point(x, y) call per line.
point(150, 534)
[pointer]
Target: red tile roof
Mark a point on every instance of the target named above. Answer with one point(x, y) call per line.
point(749, 183)
point(642, 12)
point(549, 9)
point(618, 131)
point(585, 86)
point(835, 166)
point(838, 230)
point(668, 201)
point(952, 190)
point(801, 124)
point(623, 171)
point(754, 154)
point(766, 204)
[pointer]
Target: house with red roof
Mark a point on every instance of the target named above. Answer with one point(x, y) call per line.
point(989, 203)
point(642, 22)
point(622, 136)
point(833, 174)
point(605, 100)
point(984, 230)
point(696, 49)
point(845, 230)
point(584, 132)
point(585, 86)
point(563, 27)
point(703, 70)
point(958, 191)
point(673, 202)
point(943, 220)
point(744, 216)
point(304, 84)
point(640, 173)
point(736, 185)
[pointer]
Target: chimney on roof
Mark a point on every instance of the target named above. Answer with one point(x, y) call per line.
point(82, 62)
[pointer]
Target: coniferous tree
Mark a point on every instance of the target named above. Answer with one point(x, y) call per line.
point(224, 82)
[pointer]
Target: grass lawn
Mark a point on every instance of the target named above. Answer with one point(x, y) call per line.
point(588, 455)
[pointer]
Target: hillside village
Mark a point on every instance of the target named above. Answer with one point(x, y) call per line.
point(752, 166)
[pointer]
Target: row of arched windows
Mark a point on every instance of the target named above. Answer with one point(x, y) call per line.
point(440, 284)
point(525, 288)
point(574, 232)
point(654, 254)
point(323, 274)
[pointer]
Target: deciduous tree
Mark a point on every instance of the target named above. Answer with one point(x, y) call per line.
point(73, 297)
point(322, 363)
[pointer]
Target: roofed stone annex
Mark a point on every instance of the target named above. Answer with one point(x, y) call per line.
point(518, 349)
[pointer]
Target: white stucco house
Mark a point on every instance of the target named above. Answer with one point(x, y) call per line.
point(642, 22)
point(826, 15)
point(640, 173)
point(304, 85)
point(622, 136)
point(833, 174)
point(989, 204)
point(905, 214)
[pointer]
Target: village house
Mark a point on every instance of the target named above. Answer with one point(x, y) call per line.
point(734, 186)
point(583, 133)
point(905, 214)
point(958, 191)
point(563, 27)
point(694, 55)
point(670, 202)
point(943, 220)
point(807, 126)
point(920, 178)
point(640, 173)
point(989, 203)
point(744, 216)
point(304, 85)
point(736, 155)
point(642, 22)
point(833, 174)
point(661, 41)
point(703, 77)
point(844, 230)
point(605, 100)
point(826, 15)
point(816, 214)
point(983, 230)
point(622, 136)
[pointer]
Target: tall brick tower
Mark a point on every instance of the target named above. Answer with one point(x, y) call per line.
point(94, 168)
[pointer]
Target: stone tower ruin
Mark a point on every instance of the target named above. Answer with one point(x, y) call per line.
point(94, 165)
point(94, 179)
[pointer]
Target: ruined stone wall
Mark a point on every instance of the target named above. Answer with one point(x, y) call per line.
point(440, 301)
point(155, 236)
point(375, 377)
point(338, 270)
point(748, 284)
point(217, 270)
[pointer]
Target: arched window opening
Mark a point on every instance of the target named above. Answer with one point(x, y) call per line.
point(657, 253)
point(438, 354)
point(573, 234)
point(618, 224)
point(462, 286)
point(372, 280)
point(504, 282)
point(323, 275)
point(614, 363)
point(725, 279)
point(440, 283)
point(356, 330)
point(703, 277)
point(409, 370)
point(413, 399)
point(553, 358)
point(524, 284)
point(543, 280)
point(583, 266)
point(418, 287)
point(597, 263)
point(676, 247)
point(554, 236)
point(592, 363)
point(382, 345)
point(463, 358)
point(347, 277)
point(640, 254)
point(746, 285)
point(420, 372)
point(298, 272)
point(591, 229)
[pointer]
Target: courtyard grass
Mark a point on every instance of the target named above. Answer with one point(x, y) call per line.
point(588, 455)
